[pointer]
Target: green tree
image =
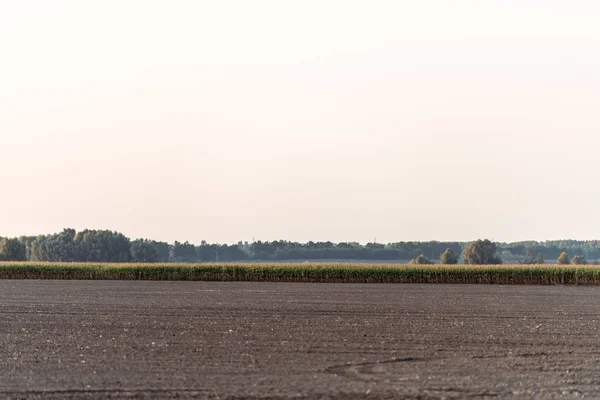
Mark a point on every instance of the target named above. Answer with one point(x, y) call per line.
point(563, 259)
point(12, 250)
point(539, 259)
point(448, 257)
point(481, 252)
point(57, 247)
point(87, 245)
point(531, 259)
point(578, 260)
point(421, 259)
point(163, 250)
point(184, 252)
point(27, 241)
point(143, 251)
point(102, 246)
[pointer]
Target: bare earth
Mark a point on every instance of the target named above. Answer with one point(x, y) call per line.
point(126, 339)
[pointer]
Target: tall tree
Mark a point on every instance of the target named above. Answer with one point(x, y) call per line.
point(481, 252)
point(539, 259)
point(163, 250)
point(184, 252)
point(143, 251)
point(12, 250)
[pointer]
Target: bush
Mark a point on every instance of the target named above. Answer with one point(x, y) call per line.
point(448, 257)
point(420, 260)
point(563, 259)
point(578, 260)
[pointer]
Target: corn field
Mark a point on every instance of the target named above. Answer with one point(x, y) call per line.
point(315, 272)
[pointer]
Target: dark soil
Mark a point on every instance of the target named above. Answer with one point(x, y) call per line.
point(142, 339)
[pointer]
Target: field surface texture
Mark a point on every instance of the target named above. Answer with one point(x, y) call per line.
point(144, 339)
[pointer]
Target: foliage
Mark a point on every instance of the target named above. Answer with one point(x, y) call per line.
point(143, 251)
point(284, 250)
point(98, 246)
point(163, 250)
point(421, 259)
point(578, 260)
point(56, 247)
point(12, 250)
point(481, 252)
point(563, 259)
point(87, 245)
point(530, 259)
point(183, 252)
point(109, 246)
point(448, 257)
point(214, 252)
point(539, 259)
point(551, 249)
point(313, 272)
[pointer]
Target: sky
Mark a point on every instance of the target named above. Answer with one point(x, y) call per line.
point(301, 120)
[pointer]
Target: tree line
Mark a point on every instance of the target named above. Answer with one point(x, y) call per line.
point(109, 246)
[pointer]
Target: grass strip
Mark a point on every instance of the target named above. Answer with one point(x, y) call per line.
point(309, 272)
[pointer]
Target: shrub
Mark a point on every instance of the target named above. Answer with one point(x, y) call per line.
point(448, 257)
point(578, 260)
point(420, 260)
point(563, 259)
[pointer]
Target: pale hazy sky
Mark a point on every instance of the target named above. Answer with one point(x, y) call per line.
point(302, 120)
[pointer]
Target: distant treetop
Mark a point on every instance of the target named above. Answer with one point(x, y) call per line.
point(110, 246)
